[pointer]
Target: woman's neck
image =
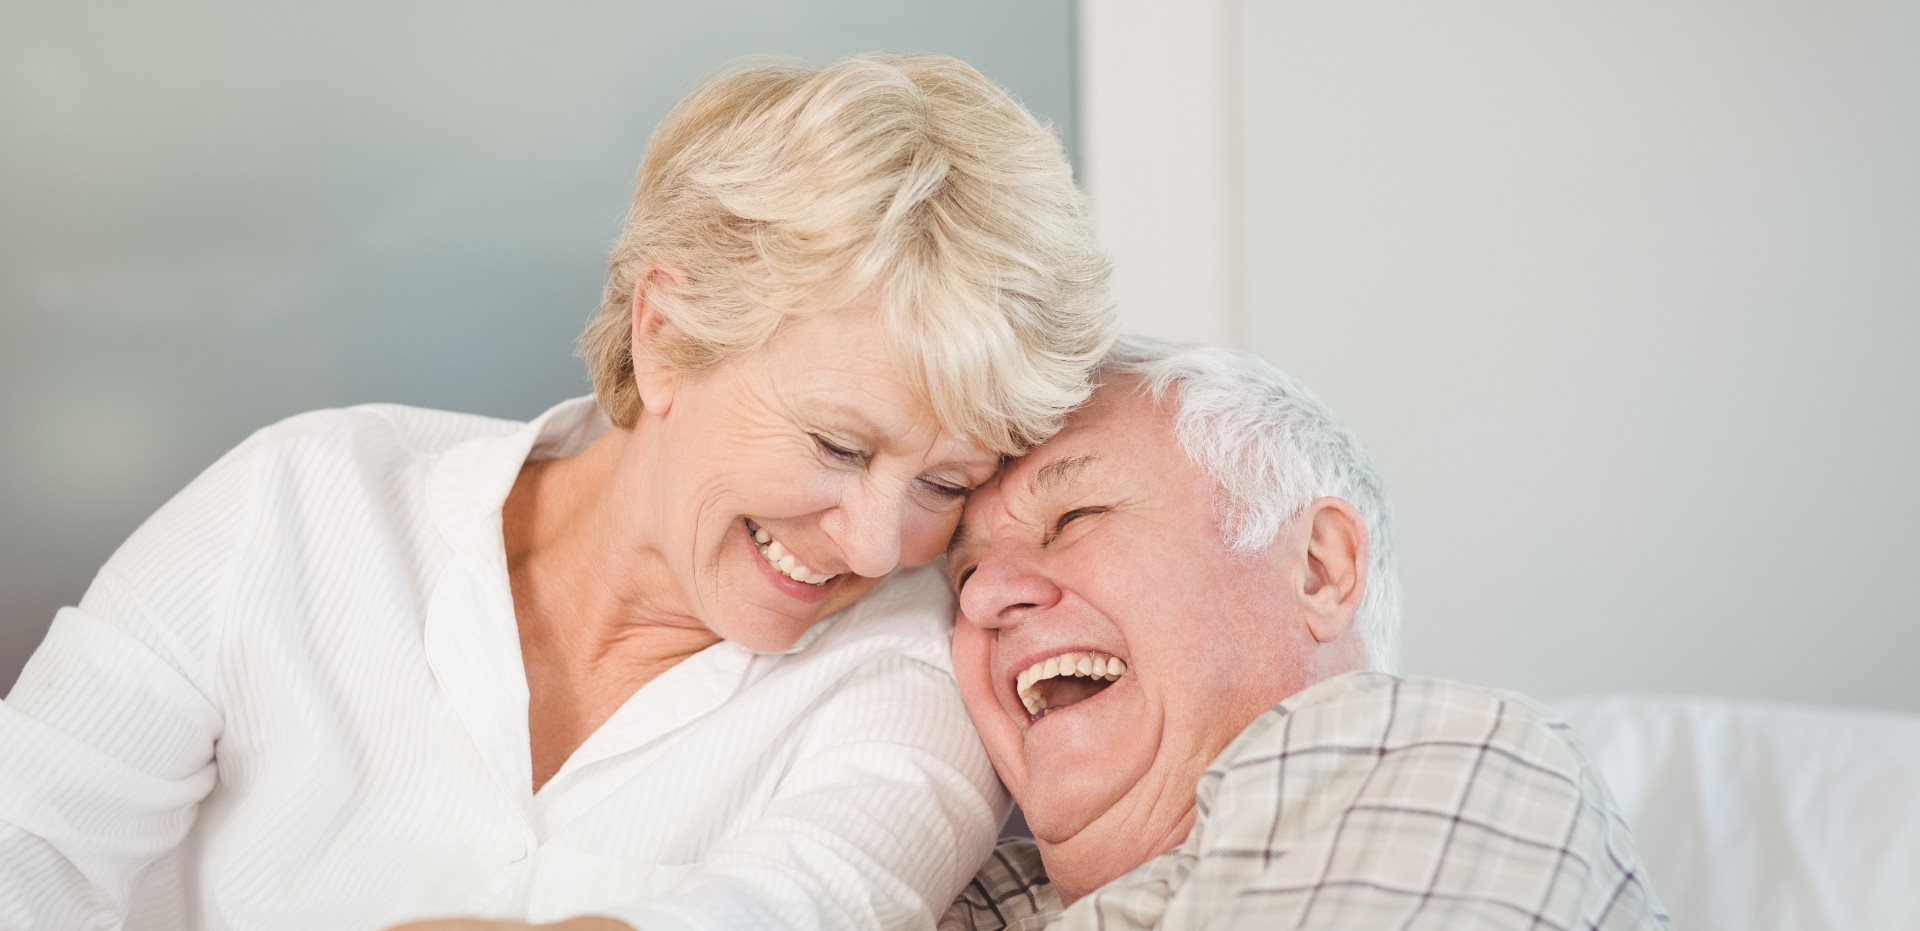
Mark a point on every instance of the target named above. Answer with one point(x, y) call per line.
point(597, 612)
point(596, 588)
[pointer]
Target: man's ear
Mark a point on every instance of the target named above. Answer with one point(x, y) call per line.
point(1336, 566)
point(656, 383)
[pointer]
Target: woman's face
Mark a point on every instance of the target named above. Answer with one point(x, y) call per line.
point(792, 480)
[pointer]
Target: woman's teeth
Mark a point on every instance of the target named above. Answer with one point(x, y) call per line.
point(778, 557)
point(1086, 665)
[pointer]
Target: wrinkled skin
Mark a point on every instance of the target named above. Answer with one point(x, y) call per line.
point(1106, 540)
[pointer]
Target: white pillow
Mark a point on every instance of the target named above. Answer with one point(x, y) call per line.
point(1754, 816)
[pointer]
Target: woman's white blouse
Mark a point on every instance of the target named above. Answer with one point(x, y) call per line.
point(294, 699)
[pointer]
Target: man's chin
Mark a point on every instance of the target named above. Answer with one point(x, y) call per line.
point(1082, 854)
point(1050, 827)
point(1063, 808)
point(1079, 774)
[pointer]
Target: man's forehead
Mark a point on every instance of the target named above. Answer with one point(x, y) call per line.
point(1026, 483)
point(1049, 472)
point(1095, 439)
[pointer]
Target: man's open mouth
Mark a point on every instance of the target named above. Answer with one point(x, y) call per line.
point(1064, 680)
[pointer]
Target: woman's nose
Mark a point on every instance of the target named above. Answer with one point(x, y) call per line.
point(1005, 588)
point(867, 526)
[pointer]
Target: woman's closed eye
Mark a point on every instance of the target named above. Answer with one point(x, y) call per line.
point(839, 452)
point(946, 489)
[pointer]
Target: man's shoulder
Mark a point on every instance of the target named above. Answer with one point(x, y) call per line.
point(1366, 747)
point(1439, 700)
point(1011, 892)
point(1371, 714)
point(1352, 792)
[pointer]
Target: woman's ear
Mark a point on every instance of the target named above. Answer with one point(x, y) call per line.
point(1335, 579)
point(655, 383)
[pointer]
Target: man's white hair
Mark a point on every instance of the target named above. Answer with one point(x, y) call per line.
point(1272, 447)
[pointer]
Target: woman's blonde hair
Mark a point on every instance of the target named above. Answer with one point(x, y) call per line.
point(907, 183)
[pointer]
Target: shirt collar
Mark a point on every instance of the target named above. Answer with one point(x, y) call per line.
point(470, 483)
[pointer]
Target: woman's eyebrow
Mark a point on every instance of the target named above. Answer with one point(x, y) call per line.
point(850, 415)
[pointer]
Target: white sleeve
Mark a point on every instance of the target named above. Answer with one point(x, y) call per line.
point(888, 810)
point(105, 749)
point(107, 739)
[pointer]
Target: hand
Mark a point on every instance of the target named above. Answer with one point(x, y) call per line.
point(477, 924)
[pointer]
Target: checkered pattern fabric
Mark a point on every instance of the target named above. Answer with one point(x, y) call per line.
point(1010, 893)
point(1369, 801)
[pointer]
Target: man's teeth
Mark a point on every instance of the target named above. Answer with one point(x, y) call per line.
point(1086, 665)
point(778, 557)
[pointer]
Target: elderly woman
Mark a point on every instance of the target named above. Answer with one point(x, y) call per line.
point(647, 657)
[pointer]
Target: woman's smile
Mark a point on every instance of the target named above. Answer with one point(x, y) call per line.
point(783, 559)
point(786, 573)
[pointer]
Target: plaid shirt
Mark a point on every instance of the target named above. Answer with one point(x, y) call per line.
point(1368, 801)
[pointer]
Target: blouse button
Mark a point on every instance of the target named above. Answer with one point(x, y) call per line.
point(516, 849)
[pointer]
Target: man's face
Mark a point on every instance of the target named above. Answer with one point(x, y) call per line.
point(1104, 543)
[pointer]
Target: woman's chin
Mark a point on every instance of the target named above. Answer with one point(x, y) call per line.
point(762, 631)
point(767, 611)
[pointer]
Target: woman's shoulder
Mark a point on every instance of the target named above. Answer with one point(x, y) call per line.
point(913, 602)
point(917, 591)
point(397, 426)
point(909, 614)
point(377, 449)
point(307, 474)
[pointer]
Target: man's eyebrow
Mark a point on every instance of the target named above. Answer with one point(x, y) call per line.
point(1059, 472)
point(1046, 480)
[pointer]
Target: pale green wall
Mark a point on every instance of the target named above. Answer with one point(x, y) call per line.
point(1625, 297)
point(214, 215)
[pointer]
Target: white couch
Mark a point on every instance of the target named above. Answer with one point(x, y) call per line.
point(1754, 816)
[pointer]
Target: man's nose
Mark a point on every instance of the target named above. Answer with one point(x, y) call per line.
point(1004, 588)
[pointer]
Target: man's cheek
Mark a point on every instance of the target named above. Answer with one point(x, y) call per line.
point(971, 667)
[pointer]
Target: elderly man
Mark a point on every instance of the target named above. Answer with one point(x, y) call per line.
point(1172, 619)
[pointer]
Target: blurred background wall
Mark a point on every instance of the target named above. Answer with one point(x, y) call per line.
point(217, 214)
point(1624, 297)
